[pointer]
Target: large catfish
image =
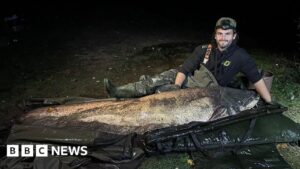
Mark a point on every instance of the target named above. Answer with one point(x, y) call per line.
point(147, 113)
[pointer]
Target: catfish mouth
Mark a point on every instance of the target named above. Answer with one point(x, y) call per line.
point(233, 109)
point(238, 100)
point(249, 103)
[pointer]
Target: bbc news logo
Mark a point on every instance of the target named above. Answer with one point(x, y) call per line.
point(44, 150)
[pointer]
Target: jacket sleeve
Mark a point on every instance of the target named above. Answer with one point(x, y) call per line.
point(249, 68)
point(193, 62)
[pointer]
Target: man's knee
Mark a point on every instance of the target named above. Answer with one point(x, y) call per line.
point(144, 88)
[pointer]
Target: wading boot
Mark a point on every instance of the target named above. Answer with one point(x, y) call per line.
point(129, 90)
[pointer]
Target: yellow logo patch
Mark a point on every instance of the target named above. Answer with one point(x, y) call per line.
point(226, 63)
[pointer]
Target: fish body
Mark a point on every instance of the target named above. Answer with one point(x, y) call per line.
point(146, 113)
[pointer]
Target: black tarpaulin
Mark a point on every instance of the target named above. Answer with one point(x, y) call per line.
point(245, 140)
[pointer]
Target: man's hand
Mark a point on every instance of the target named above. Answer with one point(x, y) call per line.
point(168, 87)
point(180, 77)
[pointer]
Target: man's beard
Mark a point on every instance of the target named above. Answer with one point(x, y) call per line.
point(223, 44)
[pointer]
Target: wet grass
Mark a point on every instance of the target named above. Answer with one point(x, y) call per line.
point(167, 161)
point(286, 81)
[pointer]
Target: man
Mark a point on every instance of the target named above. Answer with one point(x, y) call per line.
point(214, 64)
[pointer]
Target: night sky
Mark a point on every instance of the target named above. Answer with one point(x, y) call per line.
point(273, 25)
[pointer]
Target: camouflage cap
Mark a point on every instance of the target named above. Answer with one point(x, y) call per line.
point(226, 23)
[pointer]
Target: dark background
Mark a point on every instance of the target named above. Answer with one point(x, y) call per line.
point(273, 26)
